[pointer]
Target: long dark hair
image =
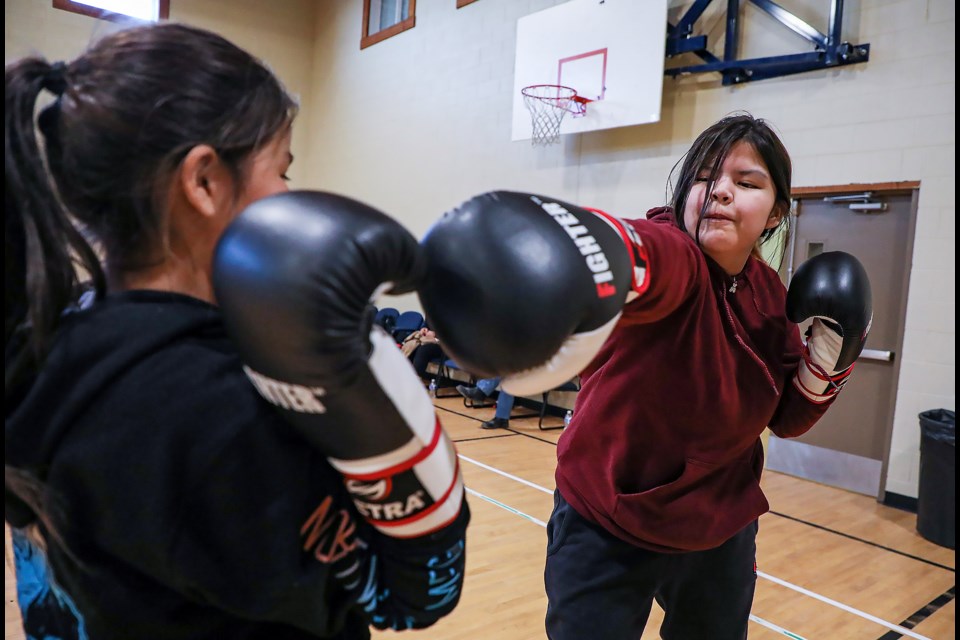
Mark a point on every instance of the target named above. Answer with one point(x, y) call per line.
point(126, 113)
point(709, 151)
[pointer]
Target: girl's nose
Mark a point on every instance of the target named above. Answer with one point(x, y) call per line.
point(721, 192)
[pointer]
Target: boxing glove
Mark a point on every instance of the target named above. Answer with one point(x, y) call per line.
point(833, 289)
point(527, 288)
point(294, 274)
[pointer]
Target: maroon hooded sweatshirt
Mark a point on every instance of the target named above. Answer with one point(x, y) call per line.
point(664, 448)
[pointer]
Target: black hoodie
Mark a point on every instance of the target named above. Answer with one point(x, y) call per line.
point(188, 507)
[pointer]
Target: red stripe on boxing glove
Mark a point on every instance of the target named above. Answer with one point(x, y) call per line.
point(416, 488)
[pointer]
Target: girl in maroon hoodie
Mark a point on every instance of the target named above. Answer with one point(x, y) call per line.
point(658, 479)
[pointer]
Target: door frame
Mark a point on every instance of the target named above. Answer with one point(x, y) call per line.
point(880, 189)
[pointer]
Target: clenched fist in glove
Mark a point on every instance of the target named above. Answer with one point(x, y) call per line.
point(834, 289)
point(526, 287)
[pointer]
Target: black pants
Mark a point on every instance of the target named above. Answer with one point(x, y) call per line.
point(424, 355)
point(599, 586)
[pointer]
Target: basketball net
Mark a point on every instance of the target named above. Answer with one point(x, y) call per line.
point(548, 104)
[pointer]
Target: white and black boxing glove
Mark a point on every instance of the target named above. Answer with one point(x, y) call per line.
point(527, 287)
point(833, 289)
point(294, 275)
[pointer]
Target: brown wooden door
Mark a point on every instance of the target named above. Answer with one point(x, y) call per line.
point(848, 447)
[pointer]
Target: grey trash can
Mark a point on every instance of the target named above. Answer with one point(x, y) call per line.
point(936, 510)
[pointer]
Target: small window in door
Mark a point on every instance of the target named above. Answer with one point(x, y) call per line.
point(814, 249)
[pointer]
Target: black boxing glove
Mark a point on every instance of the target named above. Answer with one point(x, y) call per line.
point(834, 289)
point(527, 287)
point(294, 275)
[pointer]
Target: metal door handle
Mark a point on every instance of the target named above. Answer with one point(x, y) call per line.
point(874, 354)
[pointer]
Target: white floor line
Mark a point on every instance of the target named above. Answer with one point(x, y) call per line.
point(508, 508)
point(505, 474)
point(857, 612)
point(766, 576)
point(780, 630)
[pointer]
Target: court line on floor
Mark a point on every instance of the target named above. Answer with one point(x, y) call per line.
point(924, 612)
point(505, 474)
point(770, 625)
point(761, 574)
point(457, 413)
point(531, 436)
point(502, 435)
point(474, 492)
point(511, 430)
point(840, 605)
point(872, 544)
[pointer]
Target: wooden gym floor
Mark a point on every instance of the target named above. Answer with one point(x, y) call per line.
point(831, 564)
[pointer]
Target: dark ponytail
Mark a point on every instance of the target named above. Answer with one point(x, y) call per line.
point(43, 249)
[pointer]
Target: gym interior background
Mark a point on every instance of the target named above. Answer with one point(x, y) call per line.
point(420, 121)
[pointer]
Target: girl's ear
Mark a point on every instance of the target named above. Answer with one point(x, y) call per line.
point(779, 211)
point(204, 180)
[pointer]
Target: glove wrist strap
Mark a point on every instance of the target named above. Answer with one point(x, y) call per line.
point(816, 383)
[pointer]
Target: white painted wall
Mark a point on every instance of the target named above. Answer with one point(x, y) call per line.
point(419, 122)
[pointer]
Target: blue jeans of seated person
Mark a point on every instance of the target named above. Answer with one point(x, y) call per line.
point(504, 400)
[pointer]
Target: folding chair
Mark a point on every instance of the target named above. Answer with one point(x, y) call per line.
point(407, 323)
point(442, 377)
point(570, 385)
point(387, 318)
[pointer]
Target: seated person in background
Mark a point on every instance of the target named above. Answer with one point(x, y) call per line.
point(422, 347)
point(481, 393)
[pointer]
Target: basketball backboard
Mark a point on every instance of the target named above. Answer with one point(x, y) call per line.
point(609, 51)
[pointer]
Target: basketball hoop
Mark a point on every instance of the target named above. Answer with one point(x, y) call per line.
point(548, 104)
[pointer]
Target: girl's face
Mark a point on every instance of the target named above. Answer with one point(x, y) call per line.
point(741, 207)
point(267, 173)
